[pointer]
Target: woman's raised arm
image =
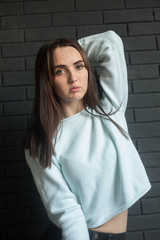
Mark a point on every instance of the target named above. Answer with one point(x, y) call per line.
point(106, 50)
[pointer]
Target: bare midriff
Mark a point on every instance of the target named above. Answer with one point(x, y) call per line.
point(117, 224)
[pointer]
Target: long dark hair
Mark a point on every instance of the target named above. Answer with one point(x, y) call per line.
point(47, 114)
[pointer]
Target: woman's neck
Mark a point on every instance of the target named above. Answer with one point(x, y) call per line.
point(70, 109)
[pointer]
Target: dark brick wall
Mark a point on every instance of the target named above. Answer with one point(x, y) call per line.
point(24, 27)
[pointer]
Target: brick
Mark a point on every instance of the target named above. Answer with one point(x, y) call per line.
point(0, 79)
point(127, 58)
point(76, 18)
point(141, 223)
point(48, 6)
point(152, 235)
point(1, 139)
point(142, 3)
point(17, 169)
point(1, 110)
point(129, 116)
point(11, 36)
point(154, 174)
point(154, 191)
point(30, 63)
point(23, 200)
point(1, 146)
point(32, 231)
point(129, 87)
point(139, 43)
point(12, 123)
point(3, 232)
point(20, 108)
point(147, 114)
point(146, 86)
point(20, 49)
point(18, 78)
point(13, 138)
point(158, 39)
point(2, 172)
point(12, 93)
point(9, 185)
point(151, 159)
point(2, 201)
point(144, 28)
point(144, 129)
point(30, 92)
point(26, 21)
point(10, 216)
point(135, 209)
point(83, 31)
point(12, 0)
point(11, 64)
point(151, 205)
point(39, 214)
point(147, 145)
point(143, 71)
point(145, 57)
point(144, 100)
point(11, 154)
point(135, 235)
point(11, 9)
point(157, 14)
point(98, 5)
point(50, 33)
point(126, 16)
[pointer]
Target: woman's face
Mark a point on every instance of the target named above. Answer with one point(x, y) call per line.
point(71, 76)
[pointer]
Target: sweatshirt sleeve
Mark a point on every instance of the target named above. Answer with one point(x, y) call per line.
point(106, 50)
point(61, 204)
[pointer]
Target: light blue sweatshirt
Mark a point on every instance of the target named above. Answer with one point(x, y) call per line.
point(96, 172)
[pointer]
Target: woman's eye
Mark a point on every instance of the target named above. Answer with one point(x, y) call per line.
point(80, 66)
point(59, 71)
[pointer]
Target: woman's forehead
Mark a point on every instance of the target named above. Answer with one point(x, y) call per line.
point(63, 55)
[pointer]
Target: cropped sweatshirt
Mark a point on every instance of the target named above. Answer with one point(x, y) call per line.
point(96, 172)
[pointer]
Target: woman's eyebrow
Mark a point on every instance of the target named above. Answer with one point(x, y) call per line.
point(60, 66)
point(79, 61)
point(63, 65)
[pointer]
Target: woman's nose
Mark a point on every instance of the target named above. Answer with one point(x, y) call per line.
point(72, 77)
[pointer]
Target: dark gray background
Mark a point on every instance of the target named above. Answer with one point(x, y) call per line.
point(24, 27)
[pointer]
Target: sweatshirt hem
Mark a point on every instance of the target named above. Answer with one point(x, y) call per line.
point(121, 209)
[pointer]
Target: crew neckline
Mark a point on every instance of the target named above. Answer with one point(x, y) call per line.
point(74, 117)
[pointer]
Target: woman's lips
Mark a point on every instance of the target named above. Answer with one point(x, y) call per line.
point(75, 89)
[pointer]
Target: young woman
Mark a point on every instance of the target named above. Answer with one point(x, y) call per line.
point(84, 164)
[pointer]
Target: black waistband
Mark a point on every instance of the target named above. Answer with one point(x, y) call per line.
point(94, 235)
